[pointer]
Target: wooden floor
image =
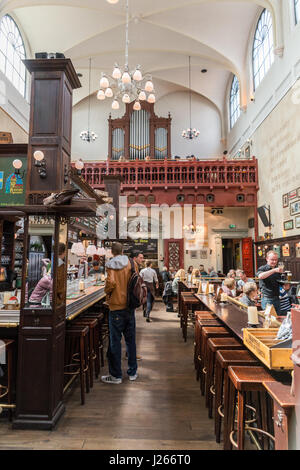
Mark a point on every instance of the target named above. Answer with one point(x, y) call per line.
point(163, 409)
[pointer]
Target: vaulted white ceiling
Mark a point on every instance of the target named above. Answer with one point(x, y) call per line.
point(162, 34)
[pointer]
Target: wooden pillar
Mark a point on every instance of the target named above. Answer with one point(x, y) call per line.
point(42, 329)
point(112, 186)
point(53, 81)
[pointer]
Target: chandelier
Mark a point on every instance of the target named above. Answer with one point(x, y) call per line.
point(190, 133)
point(125, 85)
point(89, 136)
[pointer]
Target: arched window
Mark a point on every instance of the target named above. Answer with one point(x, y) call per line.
point(297, 10)
point(12, 52)
point(263, 55)
point(234, 102)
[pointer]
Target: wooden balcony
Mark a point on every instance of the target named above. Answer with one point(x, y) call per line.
point(171, 174)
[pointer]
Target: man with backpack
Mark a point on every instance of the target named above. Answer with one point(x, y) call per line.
point(125, 292)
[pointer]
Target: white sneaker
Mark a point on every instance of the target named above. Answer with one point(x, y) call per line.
point(109, 379)
point(133, 377)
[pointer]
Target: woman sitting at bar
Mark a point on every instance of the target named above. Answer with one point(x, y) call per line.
point(249, 294)
point(229, 287)
point(178, 275)
point(43, 286)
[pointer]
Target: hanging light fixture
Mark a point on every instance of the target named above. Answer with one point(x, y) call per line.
point(125, 85)
point(90, 136)
point(190, 133)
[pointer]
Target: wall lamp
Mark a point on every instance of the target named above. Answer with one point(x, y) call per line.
point(17, 164)
point(79, 165)
point(40, 163)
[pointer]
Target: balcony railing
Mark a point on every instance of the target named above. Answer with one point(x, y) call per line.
point(174, 174)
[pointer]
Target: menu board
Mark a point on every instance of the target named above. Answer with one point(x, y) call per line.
point(147, 246)
point(12, 185)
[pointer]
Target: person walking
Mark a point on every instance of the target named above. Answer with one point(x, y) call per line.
point(149, 276)
point(268, 276)
point(121, 319)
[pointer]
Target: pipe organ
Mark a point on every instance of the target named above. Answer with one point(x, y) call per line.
point(139, 134)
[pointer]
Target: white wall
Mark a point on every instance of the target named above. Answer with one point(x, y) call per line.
point(13, 106)
point(280, 78)
point(205, 117)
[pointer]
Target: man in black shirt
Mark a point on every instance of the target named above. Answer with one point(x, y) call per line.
point(268, 276)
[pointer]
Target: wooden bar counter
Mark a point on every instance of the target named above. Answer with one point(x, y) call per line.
point(284, 403)
point(92, 295)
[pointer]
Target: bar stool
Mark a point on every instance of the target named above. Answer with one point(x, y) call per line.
point(206, 333)
point(6, 390)
point(214, 345)
point(77, 345)
point(94, 356)
point(99, 343)
point(223, 360)
point(243, 379)
point(210, 321)
point(188, 303)
point(183, 296)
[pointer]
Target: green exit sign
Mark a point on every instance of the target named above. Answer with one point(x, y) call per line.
point(232, 226)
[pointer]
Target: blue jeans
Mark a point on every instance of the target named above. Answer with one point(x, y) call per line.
point(121, 322)
point(150, 300)
point(271, 301)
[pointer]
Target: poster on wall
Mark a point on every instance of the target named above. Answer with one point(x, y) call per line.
point(203, 254)
point(293, 194)
point(277, 250)
point(288, 225)
point(12, 183)
point(286, 250)
point(285, 200)
point(297, 221)
point(295, 207)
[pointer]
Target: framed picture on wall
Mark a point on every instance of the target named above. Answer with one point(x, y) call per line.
point(298, 192)
point(203, 254)
point(297, 221)
point(193, 254)
point(293, 194)
point(288, 225)
point(277, 250)
point(295, 207)
point(285, 200)
point(247, 152)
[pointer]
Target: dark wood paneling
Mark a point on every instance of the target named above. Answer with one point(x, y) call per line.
point(46, 104)
point(67, 117)
point(34, 355)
